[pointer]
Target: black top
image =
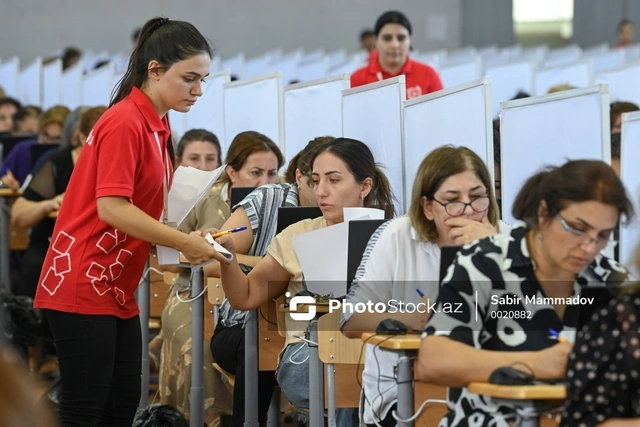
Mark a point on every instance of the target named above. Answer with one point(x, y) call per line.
point(604, 367)
point(51, 180)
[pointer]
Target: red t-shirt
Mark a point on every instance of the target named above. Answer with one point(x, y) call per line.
point(90, 267)
point(420, 78)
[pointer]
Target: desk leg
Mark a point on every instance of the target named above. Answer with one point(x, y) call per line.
point(251, 369)
point(143, 305)
point(5, 273)
point(273, 417)
point(331, 387)
point(316, 380)
point(405, 388)
point(197, 351)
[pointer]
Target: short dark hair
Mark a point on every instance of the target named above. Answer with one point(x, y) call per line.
point(620, 107)
point(615, 145)
point(392, 17)
point(574, 182)
point(10, 101)
point(367, 32)
point(623, 23)
point(69, 54)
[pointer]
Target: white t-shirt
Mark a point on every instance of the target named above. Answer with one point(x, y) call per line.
point(393, 266)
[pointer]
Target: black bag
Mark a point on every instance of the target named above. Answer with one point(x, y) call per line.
point(159, 416)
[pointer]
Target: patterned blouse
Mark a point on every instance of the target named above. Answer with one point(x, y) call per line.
point(261, 206)
point(603, 370)
point(490, 299)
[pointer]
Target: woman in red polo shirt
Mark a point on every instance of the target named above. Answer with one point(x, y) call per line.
point(391, 58)
point(107, 222)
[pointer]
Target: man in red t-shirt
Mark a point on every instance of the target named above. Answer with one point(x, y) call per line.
point(391, 58)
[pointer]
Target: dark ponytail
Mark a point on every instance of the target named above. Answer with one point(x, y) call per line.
point(167, 42)
point(381, 195)
point(574, 182)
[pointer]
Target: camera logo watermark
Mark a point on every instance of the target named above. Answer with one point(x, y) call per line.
point(302, 300)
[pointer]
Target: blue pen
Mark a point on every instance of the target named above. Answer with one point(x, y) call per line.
point(556, 335)
point(224, 233)
point(423, 296)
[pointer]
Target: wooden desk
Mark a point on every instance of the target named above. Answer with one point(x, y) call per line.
point(524, 397)
point(532, 392)
point(10, 193)
point(393, 342)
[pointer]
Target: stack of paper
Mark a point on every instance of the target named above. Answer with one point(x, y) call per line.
point(188, 188)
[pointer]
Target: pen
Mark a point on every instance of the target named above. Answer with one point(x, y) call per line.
point(557, 336)
point(424, 297)
point(224, 233)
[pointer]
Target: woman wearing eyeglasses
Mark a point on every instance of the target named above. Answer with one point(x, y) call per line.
point(452, 204)
point(525, 287)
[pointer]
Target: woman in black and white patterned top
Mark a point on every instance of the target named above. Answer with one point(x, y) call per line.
point(604, 368)
point(503, 293)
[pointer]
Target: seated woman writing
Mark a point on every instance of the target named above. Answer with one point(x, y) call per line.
point(452, 204)
point(344, 174)
point(523, 284)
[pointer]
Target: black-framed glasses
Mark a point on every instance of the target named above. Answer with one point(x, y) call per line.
point(479, 204)
point(581, 236)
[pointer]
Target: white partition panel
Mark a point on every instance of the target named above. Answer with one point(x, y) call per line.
point(72, 86)
point(609, 60)
point(235, 65)
point(257, 105)
point(52, 84)
point(287, 65)
point(509, 79)
point(97, 86)
point(257, 66)
point(10, 77)
point(453, 74)
point(208, 111)
point(178, 124)
point(549, 130)
point(312, 109)
point(623, 83)
point(578, 74)
point(433, 120)
point(630, 175)
point(313, 68)
point(373, 115)
point(31, 83)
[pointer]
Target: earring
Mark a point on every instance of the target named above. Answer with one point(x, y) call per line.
point(310, 201)
point(540, 236)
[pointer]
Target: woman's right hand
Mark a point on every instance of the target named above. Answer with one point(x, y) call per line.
point(55, 203)
point(552, 362)
point(198, 250)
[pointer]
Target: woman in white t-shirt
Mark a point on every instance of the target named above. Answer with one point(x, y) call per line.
point(452, 204)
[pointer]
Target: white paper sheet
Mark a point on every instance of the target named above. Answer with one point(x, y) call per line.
point(218, 247)
point(351, 214)
point(319, 249)
point(188, 187)
point(329, 247)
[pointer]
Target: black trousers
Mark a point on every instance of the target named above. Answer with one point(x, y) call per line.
point(388, 421)
point(227, 349)
point(100, 361)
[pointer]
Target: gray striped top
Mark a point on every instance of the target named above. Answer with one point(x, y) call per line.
point(261, 206)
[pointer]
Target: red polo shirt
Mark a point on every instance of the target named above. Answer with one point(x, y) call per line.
point(90, 267)
point(420, 78)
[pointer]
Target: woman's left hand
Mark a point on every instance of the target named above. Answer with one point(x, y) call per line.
point(466, 230)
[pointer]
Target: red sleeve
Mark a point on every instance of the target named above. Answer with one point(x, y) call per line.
point(435, 84)
point(358, 78)
point(117, 148)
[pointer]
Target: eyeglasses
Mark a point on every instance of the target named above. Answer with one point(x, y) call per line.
point(479, 204)
point(581, 236)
